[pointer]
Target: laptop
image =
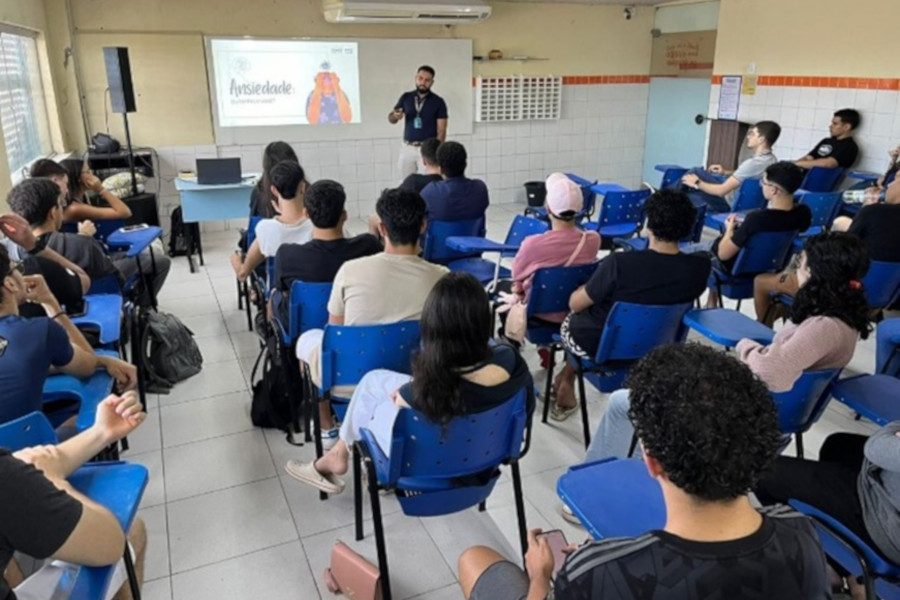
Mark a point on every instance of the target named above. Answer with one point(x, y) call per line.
point(218, 171)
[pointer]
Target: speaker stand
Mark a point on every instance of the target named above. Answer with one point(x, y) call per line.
point(134, 188)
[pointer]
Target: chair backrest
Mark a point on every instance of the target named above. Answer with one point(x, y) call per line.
point(104, 227)
point(434, 248)
point(699, 220)
point(309, 307)
point(749, 196)
point(633, 330)
point(468, 444)
point(823, 205)
point(31, 430)
point(590, 198)
point(764, 252)
point(351, 351)
point(622, 207)
point(882, 283)
point(105, 285)
point(522, 227)
point(822, 179)
point(551, 287)
point(804, 403)
point(270, 271)
point(671, 177)
point(251, 230)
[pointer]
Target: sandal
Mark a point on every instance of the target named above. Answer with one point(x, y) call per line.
point(561, 413)
point(307, 473)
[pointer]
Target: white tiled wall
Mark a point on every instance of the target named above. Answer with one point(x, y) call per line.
point(600, 135)
point(805, 112)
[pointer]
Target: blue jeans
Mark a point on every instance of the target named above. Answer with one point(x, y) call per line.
point(613, 436)
point(714, 204)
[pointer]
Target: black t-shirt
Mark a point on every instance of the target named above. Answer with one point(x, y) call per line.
point(878, 226)
point(86, 252)
point(645, 277)
point(843, 151)
point(36, 518)
point(781, 561)
point(432, 109)
point(798, 218)
point(318, 261)
point(416, 182)
point(65, 285)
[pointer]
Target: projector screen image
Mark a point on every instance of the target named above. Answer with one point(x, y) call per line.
point(285, 82)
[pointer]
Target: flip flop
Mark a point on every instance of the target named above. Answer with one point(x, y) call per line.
point(307, 473)
point(560, 413)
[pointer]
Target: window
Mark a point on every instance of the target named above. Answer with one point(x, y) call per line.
point(23, 108)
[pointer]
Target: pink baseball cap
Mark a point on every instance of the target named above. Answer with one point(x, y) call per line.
point(563, 194)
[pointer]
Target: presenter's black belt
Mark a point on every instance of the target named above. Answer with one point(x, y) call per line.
point(409, 143)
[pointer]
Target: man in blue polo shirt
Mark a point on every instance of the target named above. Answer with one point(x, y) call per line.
point(425, 116)
point(456, 197)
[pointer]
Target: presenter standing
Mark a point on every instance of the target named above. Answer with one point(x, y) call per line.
point(425, 115)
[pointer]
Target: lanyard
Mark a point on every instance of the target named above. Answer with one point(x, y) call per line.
point(418, 104)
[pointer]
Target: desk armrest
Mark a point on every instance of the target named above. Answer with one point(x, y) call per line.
point(478, 244)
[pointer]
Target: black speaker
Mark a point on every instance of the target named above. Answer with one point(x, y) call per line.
point(118, 75)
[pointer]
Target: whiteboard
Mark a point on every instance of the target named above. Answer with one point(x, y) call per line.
point(387, 68)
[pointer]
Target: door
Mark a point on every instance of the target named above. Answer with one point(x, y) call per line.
point(673, 135)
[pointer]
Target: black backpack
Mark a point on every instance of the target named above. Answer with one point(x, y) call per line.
point(276, 400)
point(179, 235)
point(169, 353)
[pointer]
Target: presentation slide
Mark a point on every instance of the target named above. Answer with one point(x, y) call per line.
point(285, 82)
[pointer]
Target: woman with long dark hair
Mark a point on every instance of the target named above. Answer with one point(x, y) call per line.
point(261, 196)
point(457, 371)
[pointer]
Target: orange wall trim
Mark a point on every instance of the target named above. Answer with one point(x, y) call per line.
point(859, 83)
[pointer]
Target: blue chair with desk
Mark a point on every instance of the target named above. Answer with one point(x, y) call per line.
point(590, 199)
point(434, 243)
point(764, 252)
point(824, 207)
point(630, 332)
point(438, 470)
point(748, 197)
point(243, 289)
point(621, 212)
point(134, 240)
point(642, 243)
point(671, 175)
point(822, 179)
point(116, 485)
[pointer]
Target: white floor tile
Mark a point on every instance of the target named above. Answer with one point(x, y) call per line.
point(205, 325)
point(156, 563)
point(205, 418)
point(215, 379)
point(189, 307)
point(155, 493)
point(216, 349)
point(158, 589)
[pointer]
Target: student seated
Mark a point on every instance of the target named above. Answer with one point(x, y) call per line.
point(718, 191)
point(44, 517)
point(40, 202)
point(714, 543)
point(288, 226)
point(827, 318)
point(387, 287)
point(417, 181)
point(877, 224)
point(455, 197)
point(31, 348)
point(318, 260)
point(262, 200)
point(564, 245)
point(779, 183)
point(838, 150)
point(856, 481)
point(659, 275)
point(79, 180)
point(456, 372)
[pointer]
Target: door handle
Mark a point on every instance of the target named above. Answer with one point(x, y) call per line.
point(699, 119)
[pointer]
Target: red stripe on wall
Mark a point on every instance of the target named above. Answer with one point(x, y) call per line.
point(859, 83)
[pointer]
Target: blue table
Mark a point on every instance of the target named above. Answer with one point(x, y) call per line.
point(613, 498)
point(727, 327)
point(134, 242)
point(201, 203)
point(104, 313)
point(602, 188)
point(88, 392)
point(472, 244)
point(664, 168)
point(863, 175)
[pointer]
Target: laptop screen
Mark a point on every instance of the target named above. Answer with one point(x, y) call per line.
point(217, 171)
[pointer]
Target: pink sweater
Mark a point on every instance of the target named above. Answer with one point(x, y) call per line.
point(551, 249)
point(816, 343)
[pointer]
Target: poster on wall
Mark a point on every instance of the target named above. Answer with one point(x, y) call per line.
point(688, 54)
point(730, 98)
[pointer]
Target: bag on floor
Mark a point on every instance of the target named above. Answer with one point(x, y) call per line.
point(170, 353)
point(271, 406)
point(179, 240)
point(352, 575)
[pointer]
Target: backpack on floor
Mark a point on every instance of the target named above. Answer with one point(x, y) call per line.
point(179, 240)
point(275, 403)
point(169, 352)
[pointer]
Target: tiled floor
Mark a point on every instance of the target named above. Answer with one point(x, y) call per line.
point(224, 520)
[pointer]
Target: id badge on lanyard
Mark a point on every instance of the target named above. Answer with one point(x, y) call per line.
point(417, 121)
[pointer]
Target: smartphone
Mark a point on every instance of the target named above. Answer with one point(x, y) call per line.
point(135, 227)
point(557, 541)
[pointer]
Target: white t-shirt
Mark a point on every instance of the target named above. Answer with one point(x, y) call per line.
point(272, 233)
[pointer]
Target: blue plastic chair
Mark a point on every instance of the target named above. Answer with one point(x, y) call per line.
point(803, 405)
point(621, 214)
point(613, 498)
point(875, 397)
point(487, 271)
point(434, 246)
point(103, 314)
point(243, 289)
point(882, 284)
point(764, 252)
point(590, 200)
point(825, 207)
point(31, 430)
point(748, 197)
point(642, 243)
point(880, 577)
point(727, 327)
point(87, 392)
point(438, 470)
point(822, 179)
point(671, 175)
point(887, 347)
point(308, 309)
point(104, 227)
point(630, 332)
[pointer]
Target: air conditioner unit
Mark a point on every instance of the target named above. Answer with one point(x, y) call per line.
point(441, 12)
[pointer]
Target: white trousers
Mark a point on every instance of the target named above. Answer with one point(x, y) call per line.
point(408, 162)
point(372, 407)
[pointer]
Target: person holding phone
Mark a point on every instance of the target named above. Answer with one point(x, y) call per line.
point(424, 116)
point(327, 104)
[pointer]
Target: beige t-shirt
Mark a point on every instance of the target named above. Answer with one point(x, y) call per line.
point(382, 288)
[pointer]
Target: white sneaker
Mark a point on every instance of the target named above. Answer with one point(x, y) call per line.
point(569, 516)
point(329, 438)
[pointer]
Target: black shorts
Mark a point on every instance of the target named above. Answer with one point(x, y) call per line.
point(503, 580)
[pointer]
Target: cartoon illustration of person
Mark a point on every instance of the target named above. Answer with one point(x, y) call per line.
point(327, 104)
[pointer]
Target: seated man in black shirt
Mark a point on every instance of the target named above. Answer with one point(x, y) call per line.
point(877, 225)
point(839, 150)
point(417, 181)
point(318, 260)
point(43, 516)
point(779, 183)
point(658, 275)
point(708, 429)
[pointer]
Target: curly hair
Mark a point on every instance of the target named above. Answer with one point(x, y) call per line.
point(834, 260)
point(402, 212)
point(33, 199)
point(706, 418)
point(324, 201)
point(670, 215)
